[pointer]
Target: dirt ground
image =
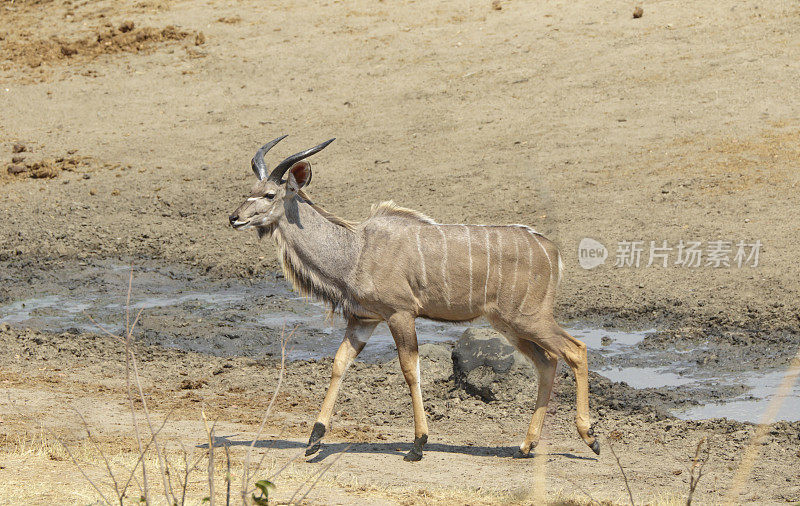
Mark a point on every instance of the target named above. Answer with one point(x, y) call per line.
point(467, 460)
point(126, 131)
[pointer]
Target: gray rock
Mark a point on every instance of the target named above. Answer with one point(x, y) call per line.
point(486, 365)
point(435, 363)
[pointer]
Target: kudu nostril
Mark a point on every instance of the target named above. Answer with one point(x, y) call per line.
point(233, 218)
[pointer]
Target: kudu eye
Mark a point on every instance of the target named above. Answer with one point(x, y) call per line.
point(269, 196)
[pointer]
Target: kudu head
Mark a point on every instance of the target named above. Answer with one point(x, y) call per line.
point(265, 205)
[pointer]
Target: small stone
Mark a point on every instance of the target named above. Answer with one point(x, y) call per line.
point(16, 169)
point(188, 384)
point(92, 192)
point(115, 192)
point(496, 5)
point(17, 159)
point(44, 169)
point(18, 148)
point(638, 12)
point(200, 39)
point(126, 27)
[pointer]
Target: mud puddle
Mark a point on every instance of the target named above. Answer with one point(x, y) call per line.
point(741, 394)
point(183, 309)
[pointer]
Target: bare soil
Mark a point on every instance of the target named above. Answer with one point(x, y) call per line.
point(468, 458)
point(127, 128)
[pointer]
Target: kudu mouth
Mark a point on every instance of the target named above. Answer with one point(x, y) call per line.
point(238, 225)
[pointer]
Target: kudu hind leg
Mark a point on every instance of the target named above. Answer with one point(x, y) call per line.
point(405, 337)
point(546, 365)
point(558, 342)
point(355, 337)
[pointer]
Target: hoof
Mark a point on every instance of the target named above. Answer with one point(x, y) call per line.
point(519, 455)
point(311, 450)
point(595, 447)
point(314, 442)
point(415, 455)
point(525, 453)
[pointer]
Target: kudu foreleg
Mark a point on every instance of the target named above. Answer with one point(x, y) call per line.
point(405, 337)
point(355, 337)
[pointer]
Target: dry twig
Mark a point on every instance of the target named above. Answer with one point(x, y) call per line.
point(701, 456)
point(622, 470)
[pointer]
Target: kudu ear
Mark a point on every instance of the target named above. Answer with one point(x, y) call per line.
point(299, 176)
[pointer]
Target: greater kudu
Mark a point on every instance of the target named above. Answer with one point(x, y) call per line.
point(399, 265)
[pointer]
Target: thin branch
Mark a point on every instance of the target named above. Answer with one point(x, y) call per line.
point(66, 448)
point(174, 499)
point(136, 320)
point(74, 461)
point(128, 358)
point(319, 475)
point(133, 417)
point(187, 471)
point(103, 328)
point(227, 476)
point(299, 453)
point(585, 492)
point(279, 471)
point(141, 456)
point(147, 414)
point(698, 462)
point(102, 454)
point(622, 470)
point(264, 454)
point(246, 472)
point(210, 433)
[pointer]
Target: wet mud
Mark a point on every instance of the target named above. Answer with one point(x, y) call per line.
point(181, 308)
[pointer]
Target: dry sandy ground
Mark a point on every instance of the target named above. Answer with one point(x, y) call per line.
point(572, 117)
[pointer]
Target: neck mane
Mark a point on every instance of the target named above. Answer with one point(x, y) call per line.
point(318, 251)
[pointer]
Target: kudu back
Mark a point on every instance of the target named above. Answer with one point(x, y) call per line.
point(399, 265)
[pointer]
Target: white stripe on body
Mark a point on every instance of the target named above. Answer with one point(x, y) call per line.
point(546, 254)
point(516, 270)
point(500, 263)
point(422, 258)
point(444, 266)
point(530, 271)
point(488, 265)
point(469, 254)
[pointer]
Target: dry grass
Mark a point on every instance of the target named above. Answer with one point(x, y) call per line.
point(42, 451)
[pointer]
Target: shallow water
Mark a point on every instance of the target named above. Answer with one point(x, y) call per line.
point(232, 317)
point(751, 406)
